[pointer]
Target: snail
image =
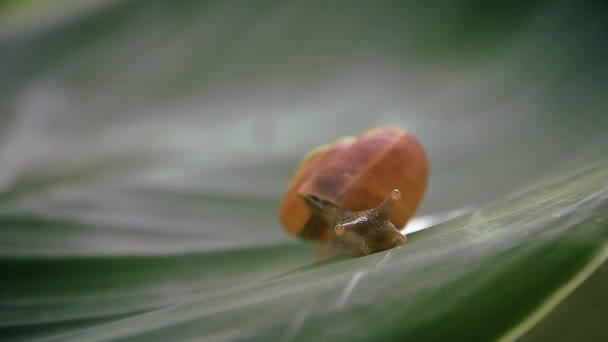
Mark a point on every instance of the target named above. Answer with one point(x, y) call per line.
point(355, 194)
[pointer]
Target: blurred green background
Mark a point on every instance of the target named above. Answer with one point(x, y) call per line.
point(144, 146)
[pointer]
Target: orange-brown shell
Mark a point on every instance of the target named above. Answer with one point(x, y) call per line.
point(356, 173)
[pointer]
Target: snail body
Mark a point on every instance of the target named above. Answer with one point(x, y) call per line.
point(355, 194)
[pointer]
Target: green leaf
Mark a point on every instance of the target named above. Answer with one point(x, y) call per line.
point(145, 145)
point(484, 272)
